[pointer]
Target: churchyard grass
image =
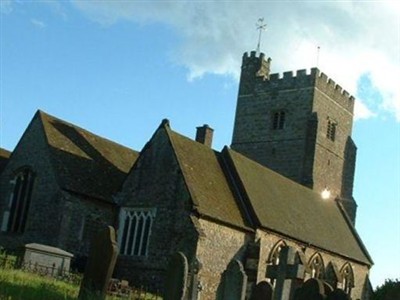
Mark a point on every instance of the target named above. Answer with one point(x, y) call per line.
point(17, 284)
point(21, 285)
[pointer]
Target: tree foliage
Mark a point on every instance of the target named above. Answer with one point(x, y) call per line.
point(390, 290)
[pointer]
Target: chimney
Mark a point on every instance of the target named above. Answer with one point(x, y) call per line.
point(204, 135)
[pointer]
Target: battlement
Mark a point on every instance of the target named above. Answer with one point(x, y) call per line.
point(306, 79)
point(253, 56)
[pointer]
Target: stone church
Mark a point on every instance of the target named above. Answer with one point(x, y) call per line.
point(274, 208)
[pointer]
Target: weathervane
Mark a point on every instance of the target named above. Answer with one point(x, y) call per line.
point(261, 26)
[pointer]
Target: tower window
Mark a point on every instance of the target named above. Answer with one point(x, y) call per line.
point(278, 120)
point(331, 130)
point(135, 230)
point(14, 218)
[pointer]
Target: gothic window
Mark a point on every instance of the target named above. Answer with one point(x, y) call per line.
point(331, 130)
point(14, 218)
point(134, 231)
point(274, 255)
point(278, 120)
point(347, 278)
point(316, 266)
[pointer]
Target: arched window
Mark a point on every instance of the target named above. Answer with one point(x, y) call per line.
point(134, 231)
point(347, 278)
point(15, 215)
point(332, 274)
point(273, 259)
point(316, 266)
point(276, 250)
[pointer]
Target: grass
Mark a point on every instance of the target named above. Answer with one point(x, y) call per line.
point(16, 285)
point(21, 285)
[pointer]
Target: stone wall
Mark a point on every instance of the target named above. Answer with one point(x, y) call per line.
point(45, 207)
point(81, 220)
point(300, 150)
point(156, 182)
point(269, 240)
point(217, 246)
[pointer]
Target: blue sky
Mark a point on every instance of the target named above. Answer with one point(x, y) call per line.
point(117, 68)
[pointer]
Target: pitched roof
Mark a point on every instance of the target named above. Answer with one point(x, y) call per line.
point(230, 188)
point(206, 181)
point(4, 157)
point(83, 162)
point(286, 207)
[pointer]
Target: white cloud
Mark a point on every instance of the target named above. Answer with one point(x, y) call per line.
point(37, 23)
point(214, 35)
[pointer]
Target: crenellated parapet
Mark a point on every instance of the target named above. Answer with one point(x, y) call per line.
point(329, 87)
point(302, 79)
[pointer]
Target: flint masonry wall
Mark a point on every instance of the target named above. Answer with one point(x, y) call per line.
point(45, 207)
point(269, 240)
point(157, 182)
point(217, 246)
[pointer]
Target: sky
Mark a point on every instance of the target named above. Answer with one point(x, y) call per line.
point(117, 68)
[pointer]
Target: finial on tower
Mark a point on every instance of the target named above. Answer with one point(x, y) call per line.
point(261, 26)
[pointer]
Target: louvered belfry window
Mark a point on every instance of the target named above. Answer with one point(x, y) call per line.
point(135, 230)
point(331, 130)
point(278, 120)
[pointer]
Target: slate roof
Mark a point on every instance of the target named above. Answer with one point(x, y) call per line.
point(206, 181)
point(4, 157)
point(228, 187)
point(288, 208)
point(83, 162)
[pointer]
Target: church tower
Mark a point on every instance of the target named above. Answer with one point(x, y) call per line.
point(298, 125)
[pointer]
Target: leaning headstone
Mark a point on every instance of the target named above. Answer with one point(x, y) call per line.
point(234, 281)
point(312, 289)
point(262, 291)
point(176, 278)
point(337, 294)
point(100, 266)
point(287, 274)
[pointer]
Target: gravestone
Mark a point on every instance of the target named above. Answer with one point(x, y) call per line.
point(287, 274)
point(262, 291)
point(176, 278)
point(233, 282)
point(312, 289)
point(337, 294)
point(195, 285)
point(100, 266)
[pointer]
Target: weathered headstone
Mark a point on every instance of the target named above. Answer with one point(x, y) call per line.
point(195, 286)
point(262, 291)
point(312, 289)
point(234, 281)
point(337, 294)
point(286, 274)
point(100, 266)
point(176, 278)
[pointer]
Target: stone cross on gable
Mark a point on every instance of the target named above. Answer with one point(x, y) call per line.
point(285, 273)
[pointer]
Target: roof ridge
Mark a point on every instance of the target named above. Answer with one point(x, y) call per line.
point(48, 116)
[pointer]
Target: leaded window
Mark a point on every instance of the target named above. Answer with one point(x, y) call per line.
point(135, 230)
point(15, 215)
point(316, 266)
point(347, 278)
